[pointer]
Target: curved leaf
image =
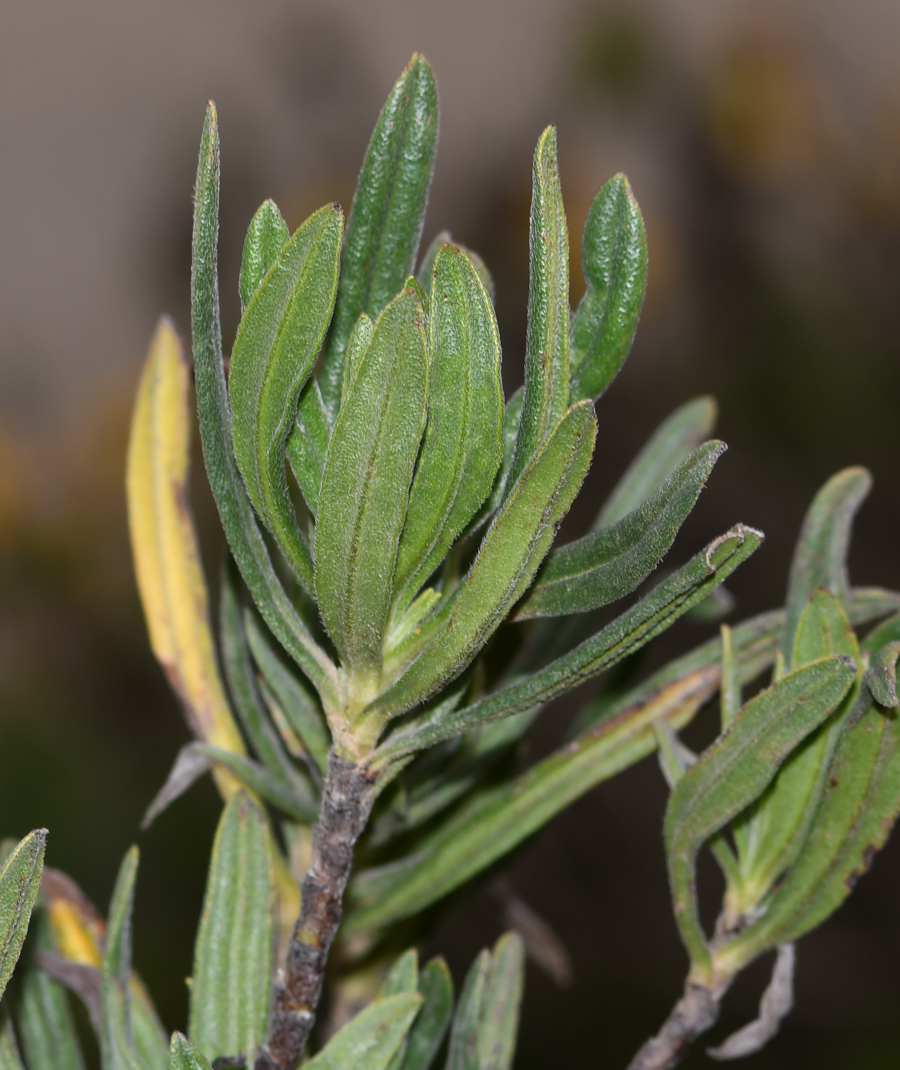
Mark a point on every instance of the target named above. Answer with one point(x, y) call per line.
point(274, 352)
point(736, 769)
point(820, 557)
point(610, 563)
point(365, 487)
point(430, 1025)
point(238, 520)
point(20, 879)
point(546, 396)
point(267, 235)
point(165, 549)
point(461, 449)
point(614, 261)
point(510, 553)
point(623, 636)
point(388, 212)
point(670, 444)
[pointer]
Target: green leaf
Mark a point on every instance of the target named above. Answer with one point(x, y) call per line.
point(672, 442)
point(511, 416)
point(48, 1028)
point(233, 956)
point(369, 1040)
point(298, 706)
point(430, 1025)
point(388, 212)
point(426, 268)
point(820, 557)
point(274, 352)
point(510, 553)
point(45, 1018)
point(117, 1048)
point(623, 636)
point(614, 261)
point(403, 976)
point(770, 836)
point(366, 483)
point(149, 1037)
point(307, 443)
point(9, 1051)
point(463, 1054)
point(297, 802)
point(547, 344)
point(495, 821)
point(267, 235)
point(730, 689)
point(858, 809)
point(736, 769)
point(881, 678)
point(239, 673)
point(184, 1056)
point(238, 520)
point(612, 562)
point(500, 1008)
point(20, 879)
point(462, 448)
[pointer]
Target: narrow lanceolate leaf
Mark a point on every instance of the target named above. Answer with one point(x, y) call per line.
point(507, 560)
point(623, 636)
point(358, 344)
point(9, 1050)
point(233, 957)
point(47, 1026)
point(165, 550)
point(117, 1049)
point(297, 704)
point(184, 1056)
point(462, 448)
point(238, 520)
point(261, 733)
point(858, 810)
point(610, 563)
point(370, 1040)
point(498, 820)
point(388, 212)
point(267, 235)
point(20, 880)
point(547, 344)
point(614, 261)
point(499, 1023)
point(736, 769)
point(672, 442)
point(426, 268)
point(430, 1026)
point(366, 483)
point(276, 346)
point(463, 1053)
point(820, 558)
point(771, 835)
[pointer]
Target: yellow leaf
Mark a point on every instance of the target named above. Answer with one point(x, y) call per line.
point(164, 545)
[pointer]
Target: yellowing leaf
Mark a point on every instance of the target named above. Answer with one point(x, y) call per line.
point(164, 545)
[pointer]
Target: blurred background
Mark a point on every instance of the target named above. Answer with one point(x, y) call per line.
point(762, 140)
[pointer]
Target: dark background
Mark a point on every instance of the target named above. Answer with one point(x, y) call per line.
point(763, 143)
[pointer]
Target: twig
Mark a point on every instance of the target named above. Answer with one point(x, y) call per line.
point(693, 1014)
point(346, 803)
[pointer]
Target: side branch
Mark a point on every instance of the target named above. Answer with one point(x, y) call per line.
point(693, 1014)
point(346, 803)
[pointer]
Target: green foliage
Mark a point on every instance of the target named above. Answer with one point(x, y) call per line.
point(381, 643)
point(233, 957)
point(20, 879)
